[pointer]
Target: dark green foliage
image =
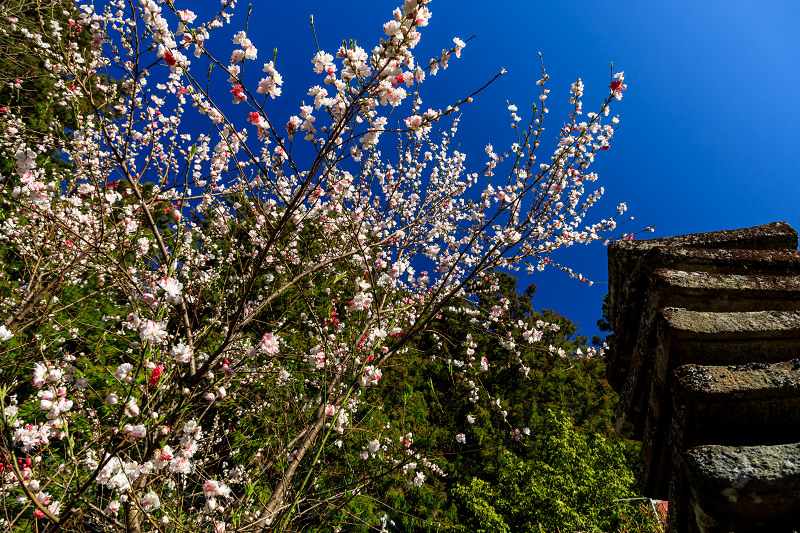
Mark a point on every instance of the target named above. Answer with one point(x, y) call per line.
point(565, 474)
point(27, 86)
point(568, 482)
point(604, 324)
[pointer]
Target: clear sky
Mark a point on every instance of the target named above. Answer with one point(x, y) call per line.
point(709, 125)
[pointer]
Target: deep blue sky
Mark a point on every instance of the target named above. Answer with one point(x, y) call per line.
point(708, 136)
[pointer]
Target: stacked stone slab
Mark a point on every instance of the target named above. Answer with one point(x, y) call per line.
point(706, 359)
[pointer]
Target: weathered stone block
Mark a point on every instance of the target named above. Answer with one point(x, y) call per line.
point(744, 489)
point(704, 338)
point(631, 262)
point(705, 356)
point(699, 291)
point(746, 405)
point(742, 405)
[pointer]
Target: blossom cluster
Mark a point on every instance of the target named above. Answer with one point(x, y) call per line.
point(206, 317)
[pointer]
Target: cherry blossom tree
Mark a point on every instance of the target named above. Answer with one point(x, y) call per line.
point(193, 316)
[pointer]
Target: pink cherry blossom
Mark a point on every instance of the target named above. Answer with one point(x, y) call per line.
point(156, 375)
point(155, 332)
point(238, 94)
point(181, 353)
point(270, 344)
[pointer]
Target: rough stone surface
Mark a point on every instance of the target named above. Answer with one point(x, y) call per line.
point(760, 482)
point(707, 336)
point(699, 291)
point(709, 339)
point(630, 264)
point(755, 403)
